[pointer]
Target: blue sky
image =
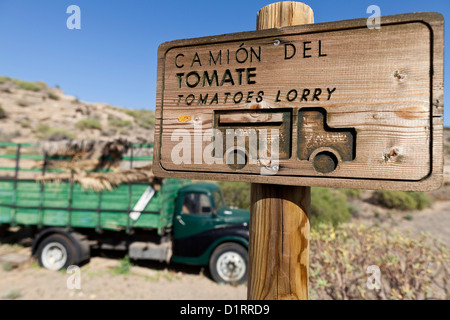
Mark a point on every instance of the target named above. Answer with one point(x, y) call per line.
point(113, 57)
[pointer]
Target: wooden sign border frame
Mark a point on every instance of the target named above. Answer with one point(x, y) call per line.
point(434, 21)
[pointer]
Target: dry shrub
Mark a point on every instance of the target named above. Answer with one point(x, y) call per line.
point(410, 269)
point(88, 123)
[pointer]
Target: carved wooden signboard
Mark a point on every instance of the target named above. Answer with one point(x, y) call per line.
point(334, 104)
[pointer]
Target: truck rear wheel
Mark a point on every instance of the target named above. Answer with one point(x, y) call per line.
point(229, 264)
point(56, 252)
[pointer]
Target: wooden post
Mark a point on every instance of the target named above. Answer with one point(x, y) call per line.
point(279, 223)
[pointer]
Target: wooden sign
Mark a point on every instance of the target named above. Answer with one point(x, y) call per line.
point(333, 104)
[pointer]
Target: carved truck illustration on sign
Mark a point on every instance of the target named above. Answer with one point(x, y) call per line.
point(333, 104)
point(322, 145)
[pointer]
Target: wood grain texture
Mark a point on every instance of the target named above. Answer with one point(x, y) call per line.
point(383, 88)
point(284, 14)
point(279, 222)
point(247, 117)
point(279, 242)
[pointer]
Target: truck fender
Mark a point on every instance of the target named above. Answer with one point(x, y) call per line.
point(235, 233)
point(236, 236)
point(230, 239)
point(83, 250)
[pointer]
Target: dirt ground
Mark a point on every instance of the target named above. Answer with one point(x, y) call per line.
point(100, 280)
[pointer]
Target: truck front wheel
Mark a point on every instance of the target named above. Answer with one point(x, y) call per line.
point(56, 252)
point(229, 264)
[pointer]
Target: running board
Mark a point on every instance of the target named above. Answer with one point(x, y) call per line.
point(150, 251)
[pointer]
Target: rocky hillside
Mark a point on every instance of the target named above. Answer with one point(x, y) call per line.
point(33, 111)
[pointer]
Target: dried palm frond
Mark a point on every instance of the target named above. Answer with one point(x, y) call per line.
point(89, 155)
point(89, 164)
point(84, 154)
point(85, 149)
point(99, 181)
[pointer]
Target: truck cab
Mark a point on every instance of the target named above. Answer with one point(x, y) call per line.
point(207, 232)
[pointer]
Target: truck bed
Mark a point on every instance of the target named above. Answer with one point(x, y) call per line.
point(66, 204)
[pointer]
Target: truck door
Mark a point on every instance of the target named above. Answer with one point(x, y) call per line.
point(193, 224)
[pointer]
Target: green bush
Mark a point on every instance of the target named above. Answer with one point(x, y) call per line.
point(118, 123)
point(7, 266)
point(125, 266)
point(60, 134)
point(329, 206)
point(402, 200)
point(43, 128)
point(88, 123)
point(11, 294)
point(236, 194)
point(47, 132)
point(144, 118)
point(4, 79)
point(30, 86)
point(25, 123)
point(53, 96)
point(422, 200)
point(352, 193)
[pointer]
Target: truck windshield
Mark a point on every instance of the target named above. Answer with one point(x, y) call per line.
point(218, 199)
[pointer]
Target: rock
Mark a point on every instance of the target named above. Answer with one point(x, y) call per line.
point(15, 260)
point(21, 118)
point(58, 136)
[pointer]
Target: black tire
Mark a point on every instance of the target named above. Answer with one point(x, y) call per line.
point(4, 231)
point(60, 244)
point(229, 264)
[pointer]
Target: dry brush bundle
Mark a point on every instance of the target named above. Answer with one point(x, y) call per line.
point(84, 154)
point(100, 181)
point(90, 155)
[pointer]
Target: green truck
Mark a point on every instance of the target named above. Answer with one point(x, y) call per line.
point(177, 220)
